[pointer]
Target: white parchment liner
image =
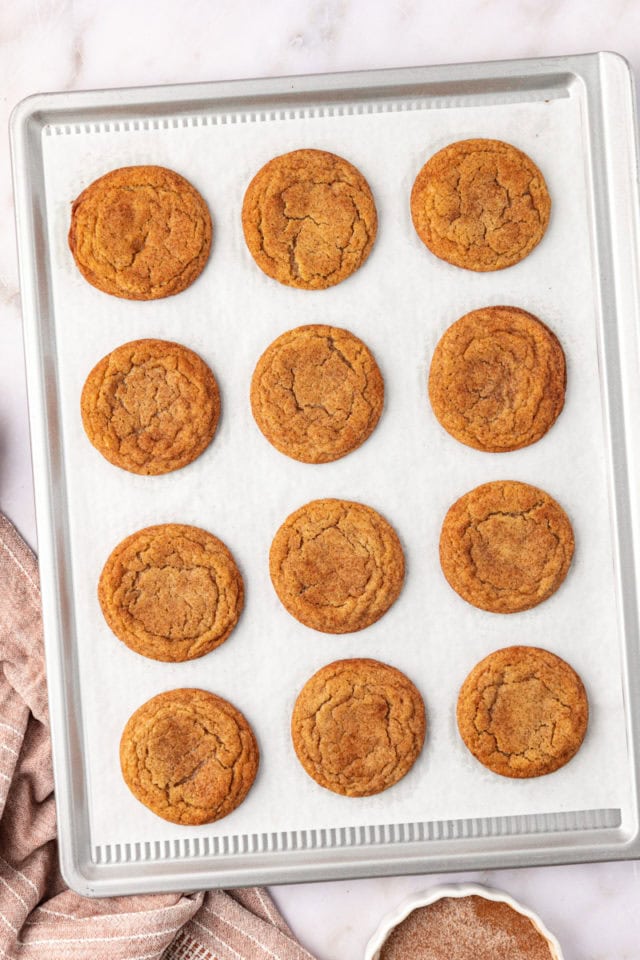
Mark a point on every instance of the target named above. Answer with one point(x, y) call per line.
point(410, 470)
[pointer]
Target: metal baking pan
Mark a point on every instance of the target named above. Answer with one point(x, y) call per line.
point(537, 824)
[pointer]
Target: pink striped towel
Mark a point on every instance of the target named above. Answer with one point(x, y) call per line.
point(40, 919)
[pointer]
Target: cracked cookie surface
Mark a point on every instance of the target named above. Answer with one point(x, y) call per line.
point(497, 379)
point(358, 726)
point(317, 393)
point(189, 756)
point(150, 406)
point(523, 712)
point(140, 233)
point(171, 592)
point(480, 204)
point(337, 566)
point(309, 219)
point(506, 546)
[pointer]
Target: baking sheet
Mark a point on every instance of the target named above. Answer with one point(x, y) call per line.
point(241, 489)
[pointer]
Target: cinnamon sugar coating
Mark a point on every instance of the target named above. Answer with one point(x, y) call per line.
point(523, 712)
point(466, 928)
point(506, 546)
point(141, 233)
point(337, 566)
point(497, 379)
point(189, 756)
point(150, 406)
point(358, 726)
point(480, 204)
point(317, 393)
point(309, 219)
point(171, 592)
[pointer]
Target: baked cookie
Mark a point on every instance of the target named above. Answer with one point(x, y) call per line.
point(309, 219)
point(506, 546)
point(189, 756)
point(523, 712)
point(358, 726)
point(317, 393)
point(336, 566)
point(140, 233)
point(480, 204)
point(497, 379)
point(171, 592)
point(150, 406)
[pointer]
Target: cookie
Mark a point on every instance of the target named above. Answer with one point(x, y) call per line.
point(497, 379)
point(506, 546)
point(358, 726)
point(171, 592)
point(480, 204)
point(523, 712)
point(189, 756)
point(309, 219)
point(140, 233)
point(150, 406)
point(317, 393)
point(336, 566)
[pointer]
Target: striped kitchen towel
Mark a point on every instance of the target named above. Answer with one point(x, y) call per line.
point(40, 919)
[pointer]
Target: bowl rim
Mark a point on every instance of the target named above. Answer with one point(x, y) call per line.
point(426, 897)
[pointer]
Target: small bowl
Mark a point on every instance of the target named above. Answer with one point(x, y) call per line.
point(396, 916)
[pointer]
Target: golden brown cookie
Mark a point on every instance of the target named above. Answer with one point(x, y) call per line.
point(480, 204)
point(506, 546)
point(150, 406)
point(336, 566)
point(171, 592)
point(523, 712)
point(309, 219)
point(140, 233)
point(358, 726)
point(189, 756)
point(317, 393)
point(497, 379)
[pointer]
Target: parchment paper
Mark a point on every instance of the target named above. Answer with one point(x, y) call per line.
point(410, 470)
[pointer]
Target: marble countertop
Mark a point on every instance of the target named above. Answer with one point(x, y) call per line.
point(50, 45)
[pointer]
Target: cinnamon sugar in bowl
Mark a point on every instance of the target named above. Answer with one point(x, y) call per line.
point(462, 922)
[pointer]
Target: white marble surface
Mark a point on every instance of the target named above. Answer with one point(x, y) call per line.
point(594, 909)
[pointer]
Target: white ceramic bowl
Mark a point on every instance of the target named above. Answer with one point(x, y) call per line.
point(396, 916)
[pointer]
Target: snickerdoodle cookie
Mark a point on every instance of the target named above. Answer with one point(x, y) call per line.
point(506, 546)
point(337, 566)
point(317, 393)
point(309, 219)
point(140, 233)
point(189, 756)
point(480, 204)
point(150, 406)
point(523, 712)
point(358, 726)
point(497, 379)
point(171, 592)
